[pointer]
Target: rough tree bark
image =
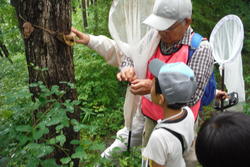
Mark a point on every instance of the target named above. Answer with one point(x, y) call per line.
point(45, 51)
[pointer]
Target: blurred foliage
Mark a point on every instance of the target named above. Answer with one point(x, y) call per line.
point(100, 95)
point(9, 32)
point(22, 136)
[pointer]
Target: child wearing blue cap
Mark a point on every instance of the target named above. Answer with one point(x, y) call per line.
point(172, 88)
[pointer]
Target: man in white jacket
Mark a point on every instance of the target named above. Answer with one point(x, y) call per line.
point(170, 22)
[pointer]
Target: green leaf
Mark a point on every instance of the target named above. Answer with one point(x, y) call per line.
point(61, 139)
point(52, 141)
point(71, 85)
point(55, 88)
point(97, 147)
point(23, 139)
point(77, 126)
point(65, 122)
point(59, 127)
point(45, 150)
point(49, 163)
point(24, 128)
point(76, 102)
point(53, 121)
point(44, 69)
point(75, 142)
point(33, 162)
point(65, 160)
point(33, 85)
point(37, 134)
point(80, 153)
point(39, 150)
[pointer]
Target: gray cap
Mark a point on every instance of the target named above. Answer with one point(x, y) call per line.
point(176, 80)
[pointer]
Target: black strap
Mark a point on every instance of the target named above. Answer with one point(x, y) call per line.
point(178, 137)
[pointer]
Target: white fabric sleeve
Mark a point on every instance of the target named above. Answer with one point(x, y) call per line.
point(107, 48)
point(156, 149)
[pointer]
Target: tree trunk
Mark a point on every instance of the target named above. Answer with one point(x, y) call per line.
point(4, 51)
point(44, 50)
point(96, 16)
point(89, 2)
point(84, 14)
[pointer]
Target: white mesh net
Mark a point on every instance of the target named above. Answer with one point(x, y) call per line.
point(227, 41)
point(135, 40)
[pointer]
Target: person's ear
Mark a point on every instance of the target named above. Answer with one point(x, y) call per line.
point(161, 99)
point(188, 21)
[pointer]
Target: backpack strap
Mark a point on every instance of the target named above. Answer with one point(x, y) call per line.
point(195, 43)
point(177, 135)
point(209, 91)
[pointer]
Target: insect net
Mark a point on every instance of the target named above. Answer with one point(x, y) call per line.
point(134, 39)
point(227, 41)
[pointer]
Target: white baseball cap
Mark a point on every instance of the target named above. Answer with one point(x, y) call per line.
point(167, 12)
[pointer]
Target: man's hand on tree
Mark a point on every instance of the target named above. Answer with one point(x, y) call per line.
point(82, 37)
point(141, 86)
point(127, 74)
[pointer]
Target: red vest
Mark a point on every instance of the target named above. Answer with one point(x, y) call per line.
point(155, 111)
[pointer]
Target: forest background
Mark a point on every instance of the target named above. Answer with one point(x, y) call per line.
point(100, 95)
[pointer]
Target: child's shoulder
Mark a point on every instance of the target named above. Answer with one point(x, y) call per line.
point(161, 134)
point(190, 113)
point(163, 138)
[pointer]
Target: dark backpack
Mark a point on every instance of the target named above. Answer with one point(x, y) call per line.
point(209, 92)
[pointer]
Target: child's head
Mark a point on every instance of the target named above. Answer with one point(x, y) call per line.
point(174, 84)
point(224, 141)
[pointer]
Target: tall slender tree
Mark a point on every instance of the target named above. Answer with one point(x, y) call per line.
point(84, 14)
point(43, 23)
